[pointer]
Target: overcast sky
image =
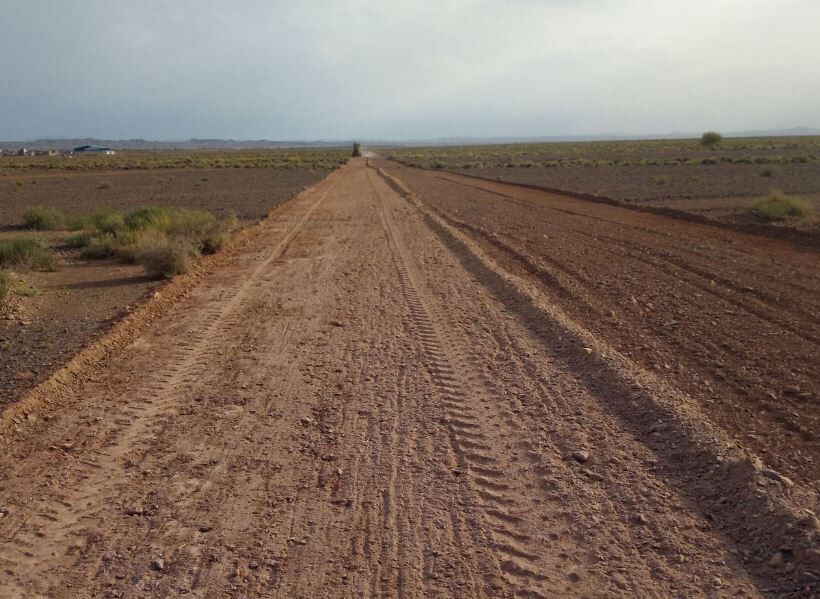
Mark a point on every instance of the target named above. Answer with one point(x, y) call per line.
point(393, 69)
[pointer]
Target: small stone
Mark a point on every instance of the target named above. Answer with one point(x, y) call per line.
point(774, 475)
point(580, 455)
point(639, 518)
point(158, 564)
point(776, 561)
point(253, 565)
point(592, 475)
point(791, 390)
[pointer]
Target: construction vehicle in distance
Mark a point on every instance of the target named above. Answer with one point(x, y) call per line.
point(357, 150)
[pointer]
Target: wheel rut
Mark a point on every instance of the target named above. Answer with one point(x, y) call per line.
point(462, 393)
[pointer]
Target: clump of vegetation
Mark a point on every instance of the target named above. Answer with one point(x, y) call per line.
point(768, 172)
point(43, 219)
point(779, 206)
point(102, 220)
point(163, 256)
point(711, 138)
point(26, 252)
point(104, 185)
point(163, 240)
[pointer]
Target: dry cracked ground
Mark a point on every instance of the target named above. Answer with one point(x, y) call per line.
point(415, 384)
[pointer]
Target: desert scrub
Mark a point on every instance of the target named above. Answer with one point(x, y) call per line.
point(102, 220)
point(779, 206)
point(165, 241)
point(163, 256)
point(26, 252)
point(768, 172)
point(39, 218)
point(202, 229)
point(711, 138)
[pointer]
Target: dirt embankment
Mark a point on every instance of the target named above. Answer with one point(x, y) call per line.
point(372, 399)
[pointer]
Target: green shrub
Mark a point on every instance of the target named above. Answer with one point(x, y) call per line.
point(162, 256)
point(711, 138)
point(148, 217)
point(103, 220)
point(778, 206)
point(26, 252)
point(78, 240)
point(43, 219)
point(99, 247)
point(163, 240)
point(201, 228)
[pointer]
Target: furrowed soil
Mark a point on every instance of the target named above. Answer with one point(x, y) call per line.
point(247, 193)
point(412, 384)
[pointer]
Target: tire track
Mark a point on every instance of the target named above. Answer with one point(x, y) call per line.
point(460, 392)
point(154, 399)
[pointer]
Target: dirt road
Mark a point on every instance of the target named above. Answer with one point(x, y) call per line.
point(368, 397)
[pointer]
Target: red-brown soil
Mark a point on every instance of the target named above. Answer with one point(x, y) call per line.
point(248, 193)
point(730, 318)
point(75, 304)
point(403, 385)
point(650, 183)
point(724, 192)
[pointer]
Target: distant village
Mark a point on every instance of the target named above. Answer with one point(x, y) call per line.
point(78, 150)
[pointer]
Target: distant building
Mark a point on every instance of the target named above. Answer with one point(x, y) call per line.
point(93, 150)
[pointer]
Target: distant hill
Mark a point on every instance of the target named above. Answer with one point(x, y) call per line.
point(189, 144)
point(251, 144)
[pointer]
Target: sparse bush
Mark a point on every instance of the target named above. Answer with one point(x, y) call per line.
point(661, 179)
point(103, 220)
point(78, 240)
point(779, 206)
point(43, 219)
point(104, 185)
point(768, 172)
point(201, 228)
point(99, 247)
point(711, 138)
point(163, 240)
point(26, 252)
point(163, 256)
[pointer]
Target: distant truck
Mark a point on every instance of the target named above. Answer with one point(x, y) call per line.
point(357, 150)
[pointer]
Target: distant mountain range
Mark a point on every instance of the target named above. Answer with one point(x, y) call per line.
point(250, 144)
point(188, 144)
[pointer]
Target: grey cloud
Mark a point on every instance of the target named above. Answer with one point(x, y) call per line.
point(394, 69)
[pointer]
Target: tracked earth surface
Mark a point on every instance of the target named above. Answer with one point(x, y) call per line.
point(408, 383)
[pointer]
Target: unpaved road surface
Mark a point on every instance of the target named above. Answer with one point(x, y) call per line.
point(376, 394)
